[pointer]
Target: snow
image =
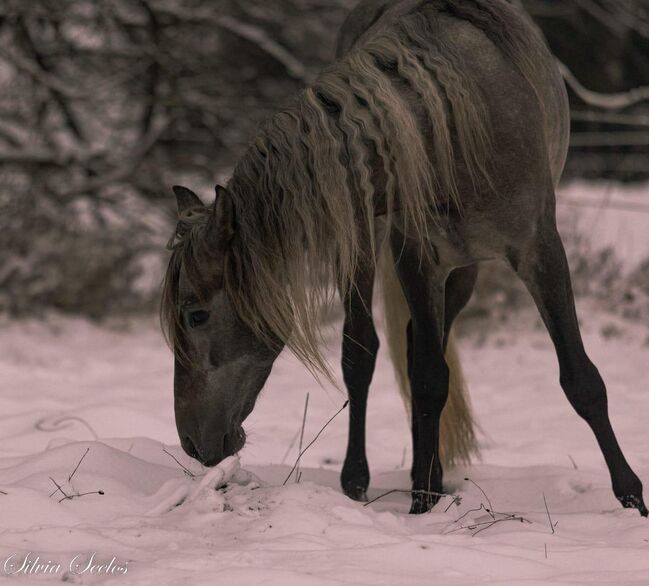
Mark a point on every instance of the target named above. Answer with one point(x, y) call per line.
point(609, 215)
point(101, 398)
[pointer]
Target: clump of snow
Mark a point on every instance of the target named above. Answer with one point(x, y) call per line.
point(89, 411)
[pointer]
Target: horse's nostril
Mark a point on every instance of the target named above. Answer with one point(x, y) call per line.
point(230, 444)
point(233, 442)
point(189, 447)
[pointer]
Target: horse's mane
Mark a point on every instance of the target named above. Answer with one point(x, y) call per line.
point(305, 192)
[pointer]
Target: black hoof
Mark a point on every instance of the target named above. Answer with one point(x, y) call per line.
point(422, 503)
point(632, 501)
point(356, 493)
point(355, 479)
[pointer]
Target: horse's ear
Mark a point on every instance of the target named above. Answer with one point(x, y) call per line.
point(221, 225)
point(186, 199)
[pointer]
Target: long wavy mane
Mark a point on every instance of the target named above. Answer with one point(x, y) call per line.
point(307, 190)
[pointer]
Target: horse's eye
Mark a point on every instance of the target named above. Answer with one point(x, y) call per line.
point(197, 318)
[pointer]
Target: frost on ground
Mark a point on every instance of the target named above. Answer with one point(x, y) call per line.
point(88, 409)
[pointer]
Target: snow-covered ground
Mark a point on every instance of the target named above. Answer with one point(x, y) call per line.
point(609, 215)
point(70, 388)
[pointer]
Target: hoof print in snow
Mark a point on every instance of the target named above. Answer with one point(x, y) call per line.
point(581, 488)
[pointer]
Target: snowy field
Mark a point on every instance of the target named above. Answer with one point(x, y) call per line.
point(95, 489)
point(70, 388)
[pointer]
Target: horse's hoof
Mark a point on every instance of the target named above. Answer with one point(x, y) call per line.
point(632, 501)
point(356, 493)
point(422, 503)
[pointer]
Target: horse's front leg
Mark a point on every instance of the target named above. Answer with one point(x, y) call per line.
point(360, 345)
point(423, 287)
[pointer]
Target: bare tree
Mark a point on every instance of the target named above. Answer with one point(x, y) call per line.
point(105, 104)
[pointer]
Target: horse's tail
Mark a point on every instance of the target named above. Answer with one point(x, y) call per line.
point(457, 436)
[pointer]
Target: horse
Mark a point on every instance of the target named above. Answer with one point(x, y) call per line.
point(435, 141)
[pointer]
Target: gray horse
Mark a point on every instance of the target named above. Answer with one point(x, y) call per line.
point(434, 142)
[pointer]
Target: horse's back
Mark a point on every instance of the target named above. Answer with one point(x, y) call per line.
point(521, 116)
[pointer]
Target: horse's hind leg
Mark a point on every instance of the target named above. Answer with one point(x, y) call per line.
point(423, 287)
point(459, 288)
point(360, 345)
point(544, 269)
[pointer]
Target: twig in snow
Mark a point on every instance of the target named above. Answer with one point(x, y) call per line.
point(314, 440)
point(508, 517)
point(58, 488)
point(76, 493)
point(74, 496)
point(490, 509)
point(299, 449)
point(455, 498)
point(552, 525)
point(78, 464)
point(480, 508)
point(185, 469)
point(290, 447)
point(496, 517)
point(545, 546)
point(574, 464)
point(484, 525)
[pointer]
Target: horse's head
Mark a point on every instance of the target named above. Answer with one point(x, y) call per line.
point(220, 364)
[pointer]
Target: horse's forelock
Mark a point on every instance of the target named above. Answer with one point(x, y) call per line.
point(183, 245)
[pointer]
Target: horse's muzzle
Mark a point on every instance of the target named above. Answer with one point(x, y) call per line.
point(216, 448)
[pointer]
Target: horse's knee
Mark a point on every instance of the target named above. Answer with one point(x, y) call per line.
point(586, 391)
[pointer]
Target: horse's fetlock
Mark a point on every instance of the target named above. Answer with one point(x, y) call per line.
point(355, 478)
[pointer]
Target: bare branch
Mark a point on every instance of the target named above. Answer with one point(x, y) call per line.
point(615, 101)
point(33, 156)
point(610, 118)
point(124, 172)
point(259, 38)
point(609, 139)
point(604, 17)
point(56, 89)
point(249, 32)
point(41, 76)
point(10, 134)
